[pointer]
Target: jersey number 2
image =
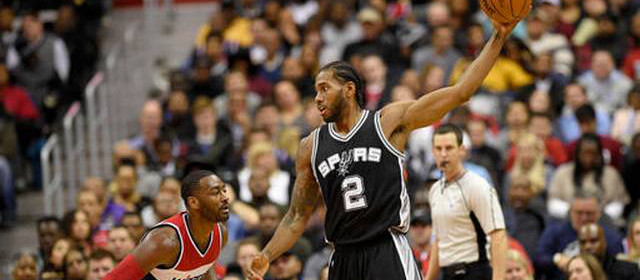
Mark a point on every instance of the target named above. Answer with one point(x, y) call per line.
point(353, 193)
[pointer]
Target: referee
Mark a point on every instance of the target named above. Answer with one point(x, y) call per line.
point(466, 216)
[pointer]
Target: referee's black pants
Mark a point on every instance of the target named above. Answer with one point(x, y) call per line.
point(469, 271)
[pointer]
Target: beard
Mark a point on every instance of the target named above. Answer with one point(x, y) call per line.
point(336, 109)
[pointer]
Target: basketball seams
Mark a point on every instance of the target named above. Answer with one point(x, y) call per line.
point(511, 8)
point(523, 8)
point(495, 9)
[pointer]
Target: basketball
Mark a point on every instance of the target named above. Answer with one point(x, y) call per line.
point(505, 10)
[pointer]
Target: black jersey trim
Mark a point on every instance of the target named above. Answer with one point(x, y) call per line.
point(389, 146)
point(351, 133)
point(193, 242)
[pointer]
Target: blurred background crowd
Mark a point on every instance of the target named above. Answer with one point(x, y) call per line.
point(555, 127)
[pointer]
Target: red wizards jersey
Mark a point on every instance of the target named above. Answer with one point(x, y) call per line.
point(192, 262)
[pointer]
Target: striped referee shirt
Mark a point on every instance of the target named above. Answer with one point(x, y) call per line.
point(460, 238)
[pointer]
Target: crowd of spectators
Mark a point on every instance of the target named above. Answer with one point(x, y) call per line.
point(555, 128)
point(49, 50)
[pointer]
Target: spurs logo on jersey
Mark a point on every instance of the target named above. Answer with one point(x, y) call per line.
point(360, 175)
point(346, 158)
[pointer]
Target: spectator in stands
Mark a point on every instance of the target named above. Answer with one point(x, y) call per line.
point(592, 241)
point(268, 118)
point(631, 171)
point(245, 251)
point(375, 40)
point(632, 249)
point(541, 125)
point(294, 71)
point(100, 220)
point(440, 52)
point(525, 215)
point(16, 101)
point(338, 32)
point(212, 142)
point(540, 102)
point(150, 130)
point(575, 95)
point(608, 37)
point(517, 268)
point(270, 217)
point(236, 89)
point(75, 265)
point(101, 262)
point(262, 155)
point(49, 230)
point(133, 222)
point(259, 186)
point(124, 189)
point(482, 153)
point(271, 66)
point(586, 116)
point(517, 122)
point(632, 57)
point(121, 242)
point(588, 172)
point(287, 98)
point(77, 227)
point(558, 242)
point(168, 164)
point(626, 121)
point(39, 60)
point(105, 209)
point(60, 248)
point(606, 86)
point(202, 83)
point(25, 267)
point(547, 80)
point(378, 80)
point(287, 266)
point(177, 118)
point(541, 39)
point(585, 266)
point(165, 204)
point(8, 163)
point(420, 240)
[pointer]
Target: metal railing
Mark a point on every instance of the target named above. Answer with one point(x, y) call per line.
point(88, 133)
point(51, 160)
point(74, 149)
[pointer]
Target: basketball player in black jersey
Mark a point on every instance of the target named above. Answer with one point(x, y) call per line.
point(355, 162)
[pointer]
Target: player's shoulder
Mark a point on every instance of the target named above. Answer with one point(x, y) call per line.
point(163, 238)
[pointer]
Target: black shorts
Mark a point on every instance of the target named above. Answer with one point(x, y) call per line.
point(386, 257)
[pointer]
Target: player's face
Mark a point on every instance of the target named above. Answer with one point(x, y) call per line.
point(330, 97)
point(446, 151)
point(213, 199)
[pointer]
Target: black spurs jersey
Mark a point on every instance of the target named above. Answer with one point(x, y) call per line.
point(361, 178)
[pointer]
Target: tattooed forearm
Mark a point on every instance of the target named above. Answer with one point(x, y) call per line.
point(305, 198)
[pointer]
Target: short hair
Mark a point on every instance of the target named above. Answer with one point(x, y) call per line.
point(192, 182)
point(121, 227)
point(541, 115)
point(344, 73)
point(449, 128)
point(49, 219)
point(133, 214)
point(101, 254)
point(581, 193)
point(202, 103)
point(585, 113)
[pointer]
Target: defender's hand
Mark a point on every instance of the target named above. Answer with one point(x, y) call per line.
point(258, 267)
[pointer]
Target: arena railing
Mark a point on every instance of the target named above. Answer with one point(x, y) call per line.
point(88, 134)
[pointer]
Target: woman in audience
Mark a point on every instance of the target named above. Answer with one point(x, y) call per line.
point(585, 267)
point(529, 162)
point(77, 227)
point(56, 259)
point(626, 121)
point(588, 172)
point(633, 242)
point(75, 265)
point(262, 155)
point(517, 268)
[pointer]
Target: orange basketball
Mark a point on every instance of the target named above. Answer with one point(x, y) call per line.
point(505, 10)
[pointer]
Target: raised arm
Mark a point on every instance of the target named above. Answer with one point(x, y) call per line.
point(160, 247)
point(433, 106)
point(306, 194)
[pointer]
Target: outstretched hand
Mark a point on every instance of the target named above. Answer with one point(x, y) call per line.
point(505, 28)
point(258, 267)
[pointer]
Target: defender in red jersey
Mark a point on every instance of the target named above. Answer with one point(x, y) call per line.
point(185, 246)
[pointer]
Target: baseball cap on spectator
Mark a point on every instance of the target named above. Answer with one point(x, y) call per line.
point(369, 15)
